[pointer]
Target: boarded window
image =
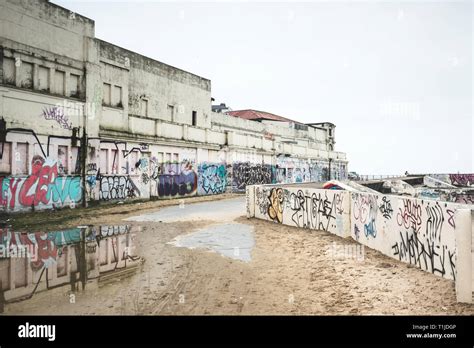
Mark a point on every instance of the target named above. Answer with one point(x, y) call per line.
point(144, 107)
point(74, 86)
point(62, 160)
point(5, 161)
point(118, 96)
point(106, 94)
point(133, 162)
point(170, 112)
point(75, 160)
point(103, 161)
point(26, 75)
point(114, 160)
point(43, 78)
point(9, 71)
point(21, 159)
point(59, 82)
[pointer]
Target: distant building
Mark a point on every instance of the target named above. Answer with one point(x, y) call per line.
point(82, 119)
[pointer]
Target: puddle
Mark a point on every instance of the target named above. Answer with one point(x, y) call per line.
point(31, 262)
point(221, 210)
point(232, 240)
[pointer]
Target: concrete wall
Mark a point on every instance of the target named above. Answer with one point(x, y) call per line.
point(424, 233)
point(314, 209)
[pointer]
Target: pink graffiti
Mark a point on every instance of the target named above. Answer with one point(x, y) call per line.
point(410, 216)
point(462, 179)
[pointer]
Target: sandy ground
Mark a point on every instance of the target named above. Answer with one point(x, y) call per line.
point(290, 272)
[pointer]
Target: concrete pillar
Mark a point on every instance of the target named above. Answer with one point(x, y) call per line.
point(464, 229)
point(250, 200)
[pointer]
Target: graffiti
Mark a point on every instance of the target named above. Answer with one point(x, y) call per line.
point(356, 232)
point(145, 178)
point(245, 173)
point(451, 218)
point(275, 208)
point(435, 220)
point(143, 146)
point(364, 207)
point(108, 231)
point(212, 178)
point(92, 167)
point(117, 187)
point(312, 211)
point(369, 229)
point(42, 189)
point(386, 208)
point(462, 179)
point(91, 181)
point(142, 164)
point(177, 185)
point(425, 254)
point(410, 216)
point(261, 200)
point(57, 114)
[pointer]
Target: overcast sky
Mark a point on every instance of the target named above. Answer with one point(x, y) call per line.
point(395, 77)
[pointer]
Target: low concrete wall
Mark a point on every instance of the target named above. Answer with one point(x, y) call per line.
point(431, 235)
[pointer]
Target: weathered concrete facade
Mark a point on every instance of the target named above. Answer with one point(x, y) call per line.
point(148, 127)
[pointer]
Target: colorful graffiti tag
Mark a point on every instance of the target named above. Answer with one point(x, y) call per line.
point(212, 179)
point(43, 189)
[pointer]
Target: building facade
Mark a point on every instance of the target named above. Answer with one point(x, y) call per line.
point(84, 120)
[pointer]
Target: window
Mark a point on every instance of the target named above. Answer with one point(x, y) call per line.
point(8, 71)
point(75, 160)
point(5, 160)
point(114, 160)
point(170, 112)
point(194, 120)
point(330, 132)
point(106, 94)
point(26, 75)
point(59, 82)
point(118, 96)
point(21, 158)
point(74, 86)
point(62, 160)
point(103, 161)
point(144, 107)
point(43, 78)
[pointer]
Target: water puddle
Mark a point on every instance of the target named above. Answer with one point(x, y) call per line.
point(31, 262)
point(221, 210)
point(232, 240)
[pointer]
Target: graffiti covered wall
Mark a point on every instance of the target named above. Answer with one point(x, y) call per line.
point(419, 232)
point(43, 189)
point(326, 210)
point(246, 173)
point(415, 231)
point(212, 178)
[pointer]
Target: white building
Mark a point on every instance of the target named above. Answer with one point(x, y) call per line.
point(149, 127)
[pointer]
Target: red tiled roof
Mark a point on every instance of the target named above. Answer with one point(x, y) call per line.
point(258, 115)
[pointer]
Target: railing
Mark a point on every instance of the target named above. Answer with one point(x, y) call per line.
point(378, 177)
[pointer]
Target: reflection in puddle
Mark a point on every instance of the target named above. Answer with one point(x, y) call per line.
point(33, 262)
point(232, 240)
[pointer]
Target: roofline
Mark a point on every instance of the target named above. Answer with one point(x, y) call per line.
point(266, 112)
point(49, 2)
point(152, 59)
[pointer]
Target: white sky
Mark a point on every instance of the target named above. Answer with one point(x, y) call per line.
point(395, 77)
